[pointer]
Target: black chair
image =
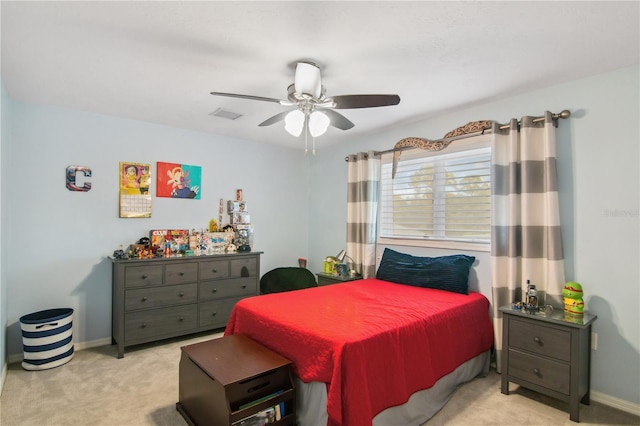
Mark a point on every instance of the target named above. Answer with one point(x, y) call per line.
point(286, 279)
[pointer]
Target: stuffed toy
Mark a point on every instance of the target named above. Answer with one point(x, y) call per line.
point(573, 303)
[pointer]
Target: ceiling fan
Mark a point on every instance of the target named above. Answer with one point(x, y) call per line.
point(313, 111)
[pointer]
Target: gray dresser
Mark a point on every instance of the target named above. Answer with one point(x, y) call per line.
point(550, 354)
point(156, 299)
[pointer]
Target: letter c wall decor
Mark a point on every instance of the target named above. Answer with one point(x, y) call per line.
point(71, 178)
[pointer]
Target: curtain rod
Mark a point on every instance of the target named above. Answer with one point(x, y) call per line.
point(563, 114)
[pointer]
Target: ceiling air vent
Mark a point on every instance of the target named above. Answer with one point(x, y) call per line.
point(223, 113)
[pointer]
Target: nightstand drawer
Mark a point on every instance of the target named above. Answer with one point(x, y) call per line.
point(140, 276)
point(179, 273)
point(160, 296)
point(540, 371)
point(540, 339)
point(266, 383)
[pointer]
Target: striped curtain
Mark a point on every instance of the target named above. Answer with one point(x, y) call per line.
point(525, 232)
point(362, 211)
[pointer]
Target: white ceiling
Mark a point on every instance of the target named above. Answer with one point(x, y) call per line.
point(157, 61)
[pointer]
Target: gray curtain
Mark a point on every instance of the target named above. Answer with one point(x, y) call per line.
point(525, 232)
point(362, 211)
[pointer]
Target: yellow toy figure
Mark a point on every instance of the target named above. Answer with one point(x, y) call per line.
point(573, 303)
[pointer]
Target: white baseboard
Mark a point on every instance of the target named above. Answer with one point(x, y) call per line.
point(614, 402)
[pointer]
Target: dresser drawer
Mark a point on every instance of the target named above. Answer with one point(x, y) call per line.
point(139, 276)
point(540, 339)
point(244, 267)
point(545, 372)
point(146, 325)
point(177, 273)
point(216, 312)
point(220, 289)
point(155, 297)
point(214, 269)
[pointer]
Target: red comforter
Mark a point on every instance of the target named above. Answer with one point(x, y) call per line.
point(373, 342)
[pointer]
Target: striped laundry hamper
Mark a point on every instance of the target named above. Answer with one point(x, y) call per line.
point(47, 338)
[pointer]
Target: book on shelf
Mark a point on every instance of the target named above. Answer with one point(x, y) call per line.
point(267, 416)
point(259, 400)
point(261, 418)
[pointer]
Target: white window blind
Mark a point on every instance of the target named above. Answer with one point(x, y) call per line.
point(439, 196)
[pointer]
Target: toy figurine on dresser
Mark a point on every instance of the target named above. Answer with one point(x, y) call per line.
point(573, 303)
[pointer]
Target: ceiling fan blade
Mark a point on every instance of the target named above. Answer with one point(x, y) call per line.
point(338, 120)
point(278, 117)
point(251, 97)
point(364, 101)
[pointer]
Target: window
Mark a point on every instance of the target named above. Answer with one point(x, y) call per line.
point(440, 199)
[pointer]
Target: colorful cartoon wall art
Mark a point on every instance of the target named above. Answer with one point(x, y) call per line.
point(135, 199)
point(178, 180)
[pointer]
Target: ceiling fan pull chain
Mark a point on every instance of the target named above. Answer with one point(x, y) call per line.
point(314, 146)
point(306, 143)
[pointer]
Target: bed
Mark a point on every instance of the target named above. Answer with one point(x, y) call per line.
point(377, 351)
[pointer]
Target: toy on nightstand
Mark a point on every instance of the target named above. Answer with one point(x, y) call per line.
point(573, 303)
point(531, 301)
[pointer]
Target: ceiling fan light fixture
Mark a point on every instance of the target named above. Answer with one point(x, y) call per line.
point(294, 122)
point(314, 112)
point(318, 123)
point(307, 80)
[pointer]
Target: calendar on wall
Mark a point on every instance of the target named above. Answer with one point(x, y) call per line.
point(135, 197)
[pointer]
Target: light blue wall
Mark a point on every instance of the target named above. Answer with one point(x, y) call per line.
point(598, 157)
point(5, 121)
point(58, 241)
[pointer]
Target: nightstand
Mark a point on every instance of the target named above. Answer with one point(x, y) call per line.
point(228, 381)
point(326, 279)
point(548, 353)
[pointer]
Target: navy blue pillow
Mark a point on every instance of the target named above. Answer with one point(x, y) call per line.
point(450, 273)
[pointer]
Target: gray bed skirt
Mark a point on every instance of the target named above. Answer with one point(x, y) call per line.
point(421, 406)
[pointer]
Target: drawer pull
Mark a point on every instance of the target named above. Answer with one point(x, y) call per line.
point(181, 318)
point(144, 277)
point(536, 371)
point(244, 286)
point(181, 295)
point(181, 273)
point(215, 270)
point(144, 325)
point(144, 298)
point(214, 314)
point(536, 339)
point(214, 290)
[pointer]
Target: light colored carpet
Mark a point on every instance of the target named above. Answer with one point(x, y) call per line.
point(96, 388)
